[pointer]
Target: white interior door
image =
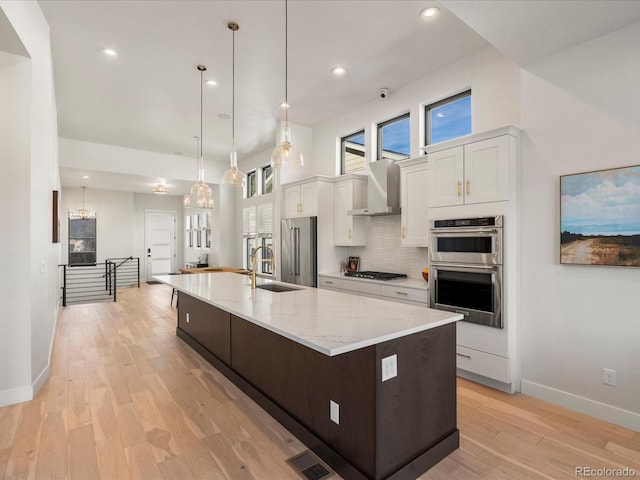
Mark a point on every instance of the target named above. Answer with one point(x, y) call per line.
point(160, 228)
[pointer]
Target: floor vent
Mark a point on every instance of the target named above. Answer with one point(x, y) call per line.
point(310, 467)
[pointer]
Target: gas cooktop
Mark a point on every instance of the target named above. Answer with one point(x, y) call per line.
point(375, 275)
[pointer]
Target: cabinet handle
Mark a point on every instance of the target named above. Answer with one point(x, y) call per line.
point(328, 282)
point(187, 317)
point(403, 231)
point(468, 187)
point(459, 186)
point(402, 293)
point(461, 355)
point(301, 207)
point(298, 207)
point(349, 234)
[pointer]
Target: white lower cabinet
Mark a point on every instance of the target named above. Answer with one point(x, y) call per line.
point(482, 363)
point(401, 294)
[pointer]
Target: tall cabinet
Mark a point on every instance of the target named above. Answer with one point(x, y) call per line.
point(477, 176)
point(349, 193)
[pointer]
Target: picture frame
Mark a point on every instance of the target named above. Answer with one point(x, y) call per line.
point(187, 222)
point(194, 221)
point(198, 238)
point(353, 264)
point(208, 238)
point(204, 219)
point(600, 217)
point(190, 235)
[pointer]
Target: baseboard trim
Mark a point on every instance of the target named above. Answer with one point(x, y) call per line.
point(15, 395)
point(608, 413)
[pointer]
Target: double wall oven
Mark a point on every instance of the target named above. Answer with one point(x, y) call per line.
point(465, 273)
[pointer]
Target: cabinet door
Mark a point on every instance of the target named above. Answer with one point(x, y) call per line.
point(309, 199)
point(414, 229)
point(446, 174)
point(342, 221)
point(292, 201)
point(486, 170)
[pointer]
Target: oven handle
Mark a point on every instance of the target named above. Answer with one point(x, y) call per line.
point(464, 266)
point(464, 231)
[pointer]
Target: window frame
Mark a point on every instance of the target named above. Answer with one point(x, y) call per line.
point(440, 103)
point(250, 174)
point(343, 141)
point(386, 123)
point(263, 185)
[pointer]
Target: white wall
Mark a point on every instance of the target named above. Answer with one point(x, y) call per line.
point(580, 112)
point(31, 166)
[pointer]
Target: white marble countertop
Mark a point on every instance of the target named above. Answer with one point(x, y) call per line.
point(418, 284)
point(326, 321)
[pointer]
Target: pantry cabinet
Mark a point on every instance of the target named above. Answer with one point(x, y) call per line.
point(414, 223)
point(477, 172)
point(349, 194)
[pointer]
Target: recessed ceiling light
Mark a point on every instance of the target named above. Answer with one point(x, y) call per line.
point(284, 105)
point(429, 13)
point(211, 83)
point(224, 116)
point(109, 52)
point(86, 176)
point(338, 71)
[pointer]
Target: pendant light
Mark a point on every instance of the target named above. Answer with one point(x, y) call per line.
point(83, 213)
point(233, 176)
point(286, 153)
point(200, 196)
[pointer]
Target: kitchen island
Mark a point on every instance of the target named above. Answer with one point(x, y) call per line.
point(368, 385)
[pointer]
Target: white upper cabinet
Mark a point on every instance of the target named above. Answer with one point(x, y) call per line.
point(349, 194)
point(301, 200)
point(477, 172)
point(414, 223)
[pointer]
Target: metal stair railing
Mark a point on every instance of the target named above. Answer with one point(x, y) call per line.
point(98, 282)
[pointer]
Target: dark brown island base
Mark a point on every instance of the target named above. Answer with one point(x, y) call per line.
point(395, 429)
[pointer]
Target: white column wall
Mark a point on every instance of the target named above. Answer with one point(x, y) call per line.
point(15, 179)
point(30, 200)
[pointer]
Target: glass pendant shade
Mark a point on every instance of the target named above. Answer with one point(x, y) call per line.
point(201, 195)
point(286, 154)
point(233, 177)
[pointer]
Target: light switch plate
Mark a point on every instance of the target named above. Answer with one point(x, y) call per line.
point(389, 367)
point(334, 412)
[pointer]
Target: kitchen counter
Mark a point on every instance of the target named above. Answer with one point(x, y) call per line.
point(329, 322)
point(213, 270)
point(369, 385)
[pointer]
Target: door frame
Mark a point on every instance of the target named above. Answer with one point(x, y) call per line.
point(174, 240)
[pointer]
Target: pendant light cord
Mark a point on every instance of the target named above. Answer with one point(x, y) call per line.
point(201, 80)
point(286, 63)
point(233, 90)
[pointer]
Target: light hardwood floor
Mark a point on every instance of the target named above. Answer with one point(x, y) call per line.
point(128, 399)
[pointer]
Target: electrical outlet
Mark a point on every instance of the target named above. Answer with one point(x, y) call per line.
point(609, 377)
point(389, 367)
point(334, 412)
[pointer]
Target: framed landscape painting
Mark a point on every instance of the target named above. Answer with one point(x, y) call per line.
point(600, 217)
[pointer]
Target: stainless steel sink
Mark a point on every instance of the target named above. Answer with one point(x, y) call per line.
point(276, 288)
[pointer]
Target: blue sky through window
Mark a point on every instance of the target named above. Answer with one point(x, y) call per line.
point(396, 137)
point(451, 120)
point(358, 138)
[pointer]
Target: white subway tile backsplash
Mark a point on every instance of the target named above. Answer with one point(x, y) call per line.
point(384, 252)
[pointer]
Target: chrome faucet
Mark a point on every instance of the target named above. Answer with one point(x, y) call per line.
point(254, 260)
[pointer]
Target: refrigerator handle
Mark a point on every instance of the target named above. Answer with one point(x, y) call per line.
point(297, 250)
point(292, 242)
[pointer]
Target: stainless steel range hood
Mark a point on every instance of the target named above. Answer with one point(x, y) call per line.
point(383, 190)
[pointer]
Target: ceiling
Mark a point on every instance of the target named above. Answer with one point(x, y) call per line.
point(148, 97)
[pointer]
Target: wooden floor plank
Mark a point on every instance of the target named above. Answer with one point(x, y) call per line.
point(128, 399)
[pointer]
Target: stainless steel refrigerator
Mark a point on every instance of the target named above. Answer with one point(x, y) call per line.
point(298, 251)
